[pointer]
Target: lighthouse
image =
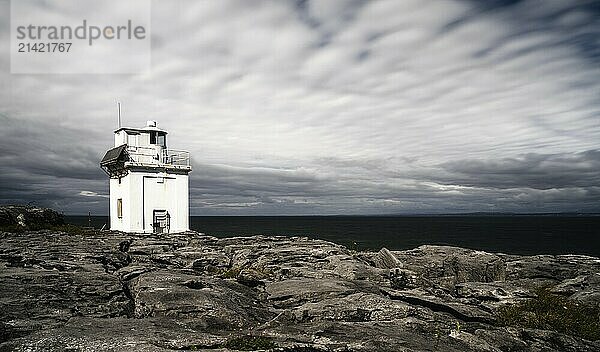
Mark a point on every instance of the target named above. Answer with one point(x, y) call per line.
point(149, 185)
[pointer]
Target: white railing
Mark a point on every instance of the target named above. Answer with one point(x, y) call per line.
point(158, 156)
point(143, 155)
point(176, 157)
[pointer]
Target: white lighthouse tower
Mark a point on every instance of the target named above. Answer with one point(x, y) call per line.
point(148, 182)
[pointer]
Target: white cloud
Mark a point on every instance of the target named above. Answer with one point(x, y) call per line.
point(92, 194)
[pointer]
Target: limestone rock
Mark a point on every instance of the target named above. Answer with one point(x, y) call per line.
point(109, 291)
point(386, 260)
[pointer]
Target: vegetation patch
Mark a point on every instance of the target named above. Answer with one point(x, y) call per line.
point(304, 349)
point(68, 228)
point(550, 311)
point(12, 228)
point(250, 343)
point(231, 273)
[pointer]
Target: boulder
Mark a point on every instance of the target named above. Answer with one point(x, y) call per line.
point(386, 260)
point(447, 266)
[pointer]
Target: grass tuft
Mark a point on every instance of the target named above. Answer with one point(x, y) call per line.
point(232, 273)
point(250, 343)
point(549, 311)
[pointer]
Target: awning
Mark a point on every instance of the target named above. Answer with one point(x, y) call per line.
point(115, 155)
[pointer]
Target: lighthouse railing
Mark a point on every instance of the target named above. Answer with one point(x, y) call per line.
point(142, 155)
point(150, 155)
point(176, 157)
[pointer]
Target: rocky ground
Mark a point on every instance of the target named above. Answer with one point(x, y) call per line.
point(110, 291)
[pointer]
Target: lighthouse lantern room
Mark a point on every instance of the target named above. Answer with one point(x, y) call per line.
point(149, 187)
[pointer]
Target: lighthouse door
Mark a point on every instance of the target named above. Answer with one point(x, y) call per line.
point(161, 221)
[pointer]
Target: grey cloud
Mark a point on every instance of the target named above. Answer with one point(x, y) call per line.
point(537, 171)
point(326, 107)
point(472, 185)
point(48, 165)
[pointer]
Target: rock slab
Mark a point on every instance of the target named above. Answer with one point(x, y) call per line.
point(110, 291)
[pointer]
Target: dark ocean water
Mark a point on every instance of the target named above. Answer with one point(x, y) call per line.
point(514, 234)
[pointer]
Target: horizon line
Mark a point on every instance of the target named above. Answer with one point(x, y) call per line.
point(392, 214)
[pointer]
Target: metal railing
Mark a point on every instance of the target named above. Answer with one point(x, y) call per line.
point(158, 156)
point(176, 157)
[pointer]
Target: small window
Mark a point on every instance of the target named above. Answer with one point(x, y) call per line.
point(119, 208)
point(132, 139)
point(161, 139)
point(153, 137)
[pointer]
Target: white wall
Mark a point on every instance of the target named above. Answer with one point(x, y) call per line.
point(120, 138)
point(144, 139)
point(133, 139)
point(120, 190)
point(145, 191)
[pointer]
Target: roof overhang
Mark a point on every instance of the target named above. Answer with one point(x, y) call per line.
point(142, 129)
point(113, 162)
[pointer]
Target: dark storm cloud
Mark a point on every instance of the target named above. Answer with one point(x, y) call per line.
point(40, 148)
point(575, 23)
point(328, 107)
point(539, 183)
point(47, 164)
point(537, 171)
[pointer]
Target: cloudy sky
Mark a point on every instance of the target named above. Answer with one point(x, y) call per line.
point(331, 107)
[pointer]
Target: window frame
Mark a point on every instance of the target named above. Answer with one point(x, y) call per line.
point(120, 208)
point(163, 136)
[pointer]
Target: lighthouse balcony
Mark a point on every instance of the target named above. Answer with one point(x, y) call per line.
point(152, 156)
point(118, 160)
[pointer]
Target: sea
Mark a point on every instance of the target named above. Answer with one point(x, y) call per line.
point(511, 234)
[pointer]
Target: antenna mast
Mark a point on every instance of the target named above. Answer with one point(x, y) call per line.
point(119, 113)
